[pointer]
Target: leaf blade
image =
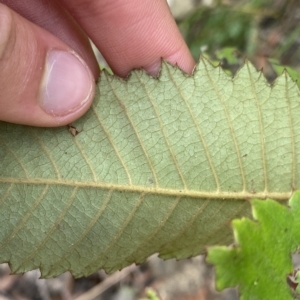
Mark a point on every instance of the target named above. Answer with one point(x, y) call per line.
point(170, 160)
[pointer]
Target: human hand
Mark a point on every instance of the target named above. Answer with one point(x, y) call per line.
point(47, 67)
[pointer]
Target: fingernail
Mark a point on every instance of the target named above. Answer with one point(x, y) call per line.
point(66, 85)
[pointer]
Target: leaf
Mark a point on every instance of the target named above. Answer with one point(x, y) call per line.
point(278, 68)
point(159, 165)
point(150, 295)
point(231, 54)
point(260, 260)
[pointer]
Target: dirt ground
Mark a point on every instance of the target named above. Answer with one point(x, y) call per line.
point(188, 279)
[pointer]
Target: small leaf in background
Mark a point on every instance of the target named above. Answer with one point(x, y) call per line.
point(216, 27)
point(151, 295)
point(231, 54)
point(279, 69)
point(259, 262)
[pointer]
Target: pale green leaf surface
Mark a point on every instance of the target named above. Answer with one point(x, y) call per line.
point(260, 260)
point(160, 165)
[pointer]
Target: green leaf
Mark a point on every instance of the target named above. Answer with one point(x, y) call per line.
point(228, 53)
point(279, 69)
point(159, 165)
point(151, 295)
point(260, 260)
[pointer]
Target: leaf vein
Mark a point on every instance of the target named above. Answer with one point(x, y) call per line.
point(50, 231)
point(207, 153)
point(149, 190)
point(261, 127)
point(85, 158)
point(165, 135)
point(137, 136)
point(15, 157)
point(43, 146)
point(121, 231)
point(6, 194)
point(223, 224)
point(86, 230)
point(189, 222)
point(24, 218)
point(293, 143)
point(113, 145)
point(232, 132)
point(157, 228)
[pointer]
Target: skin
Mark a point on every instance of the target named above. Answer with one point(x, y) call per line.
point(130, 34)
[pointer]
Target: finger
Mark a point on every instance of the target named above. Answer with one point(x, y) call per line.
point(43, 82)
point(52, 16)
point(132, 34)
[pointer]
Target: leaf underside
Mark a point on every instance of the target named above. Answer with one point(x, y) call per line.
point(160, 165)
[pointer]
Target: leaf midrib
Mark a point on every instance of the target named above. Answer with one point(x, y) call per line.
point(242, 195)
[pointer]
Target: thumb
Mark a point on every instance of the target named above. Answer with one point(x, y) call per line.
point(43, 82)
